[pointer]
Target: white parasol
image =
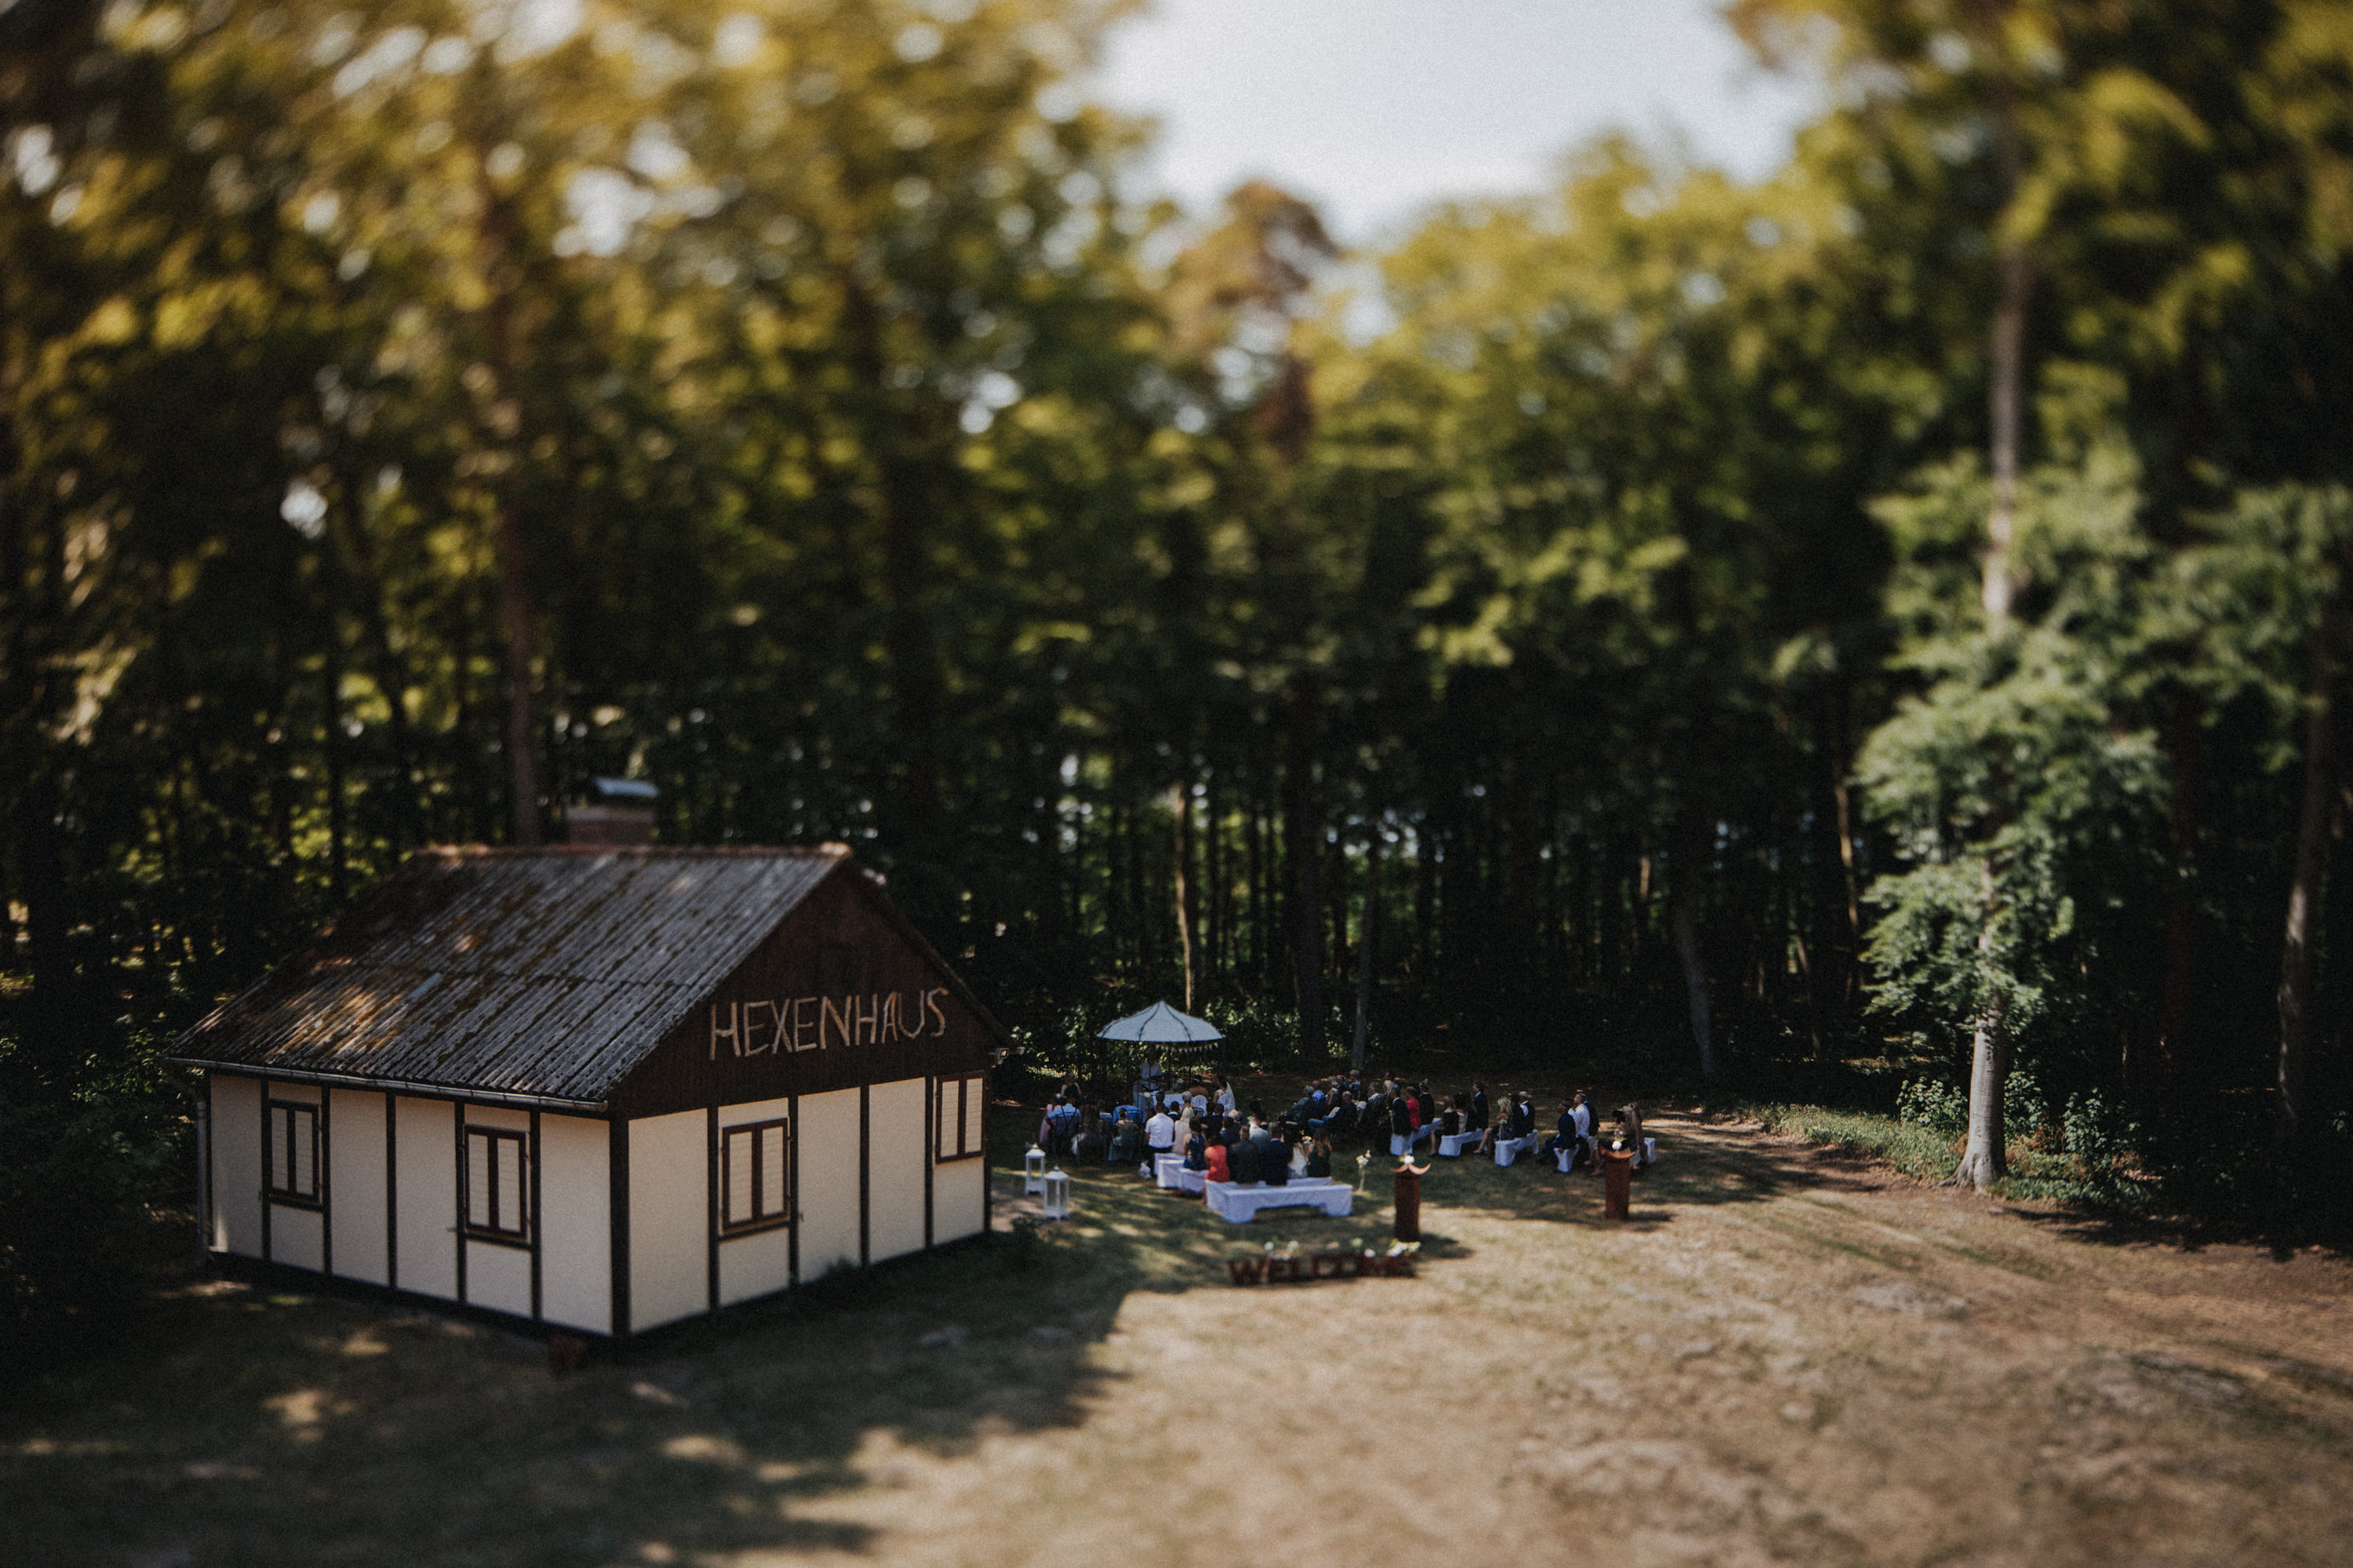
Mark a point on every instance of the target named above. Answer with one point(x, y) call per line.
point(1161, 1025)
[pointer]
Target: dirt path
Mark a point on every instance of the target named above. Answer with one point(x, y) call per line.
point(1788, 1357)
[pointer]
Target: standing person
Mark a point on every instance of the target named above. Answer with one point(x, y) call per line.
point(1224, 1095)
point(1478, 1107)
point(1400, 1124)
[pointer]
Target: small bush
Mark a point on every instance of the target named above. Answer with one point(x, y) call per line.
point(76, 1182)
point(1940, 1108)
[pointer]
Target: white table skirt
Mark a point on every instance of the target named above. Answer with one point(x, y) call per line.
point(1401, 1142)
point(1240, 1204)
point(1170, 1172)
point(1510, 1149)
point(1454, 1143)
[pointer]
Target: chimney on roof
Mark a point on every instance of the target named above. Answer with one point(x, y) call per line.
point(612, 812)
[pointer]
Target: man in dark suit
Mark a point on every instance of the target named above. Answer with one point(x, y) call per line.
point(1242, 1159)
point(1564, 1137)
point(1273, 1156)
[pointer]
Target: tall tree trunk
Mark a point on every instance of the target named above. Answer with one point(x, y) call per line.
point(2180, 939)
point(1303, 832)
point(1365, 935)
point(1180, 800)
point(516, 616)
point(2304, 886)
point(1985, 1158)
point(1695, 975)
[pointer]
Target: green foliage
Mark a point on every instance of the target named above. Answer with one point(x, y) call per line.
point(788, 404)
point(1939, 1107)
point(77, 1182)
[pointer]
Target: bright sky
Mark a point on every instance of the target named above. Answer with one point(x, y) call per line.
point(1373, 108)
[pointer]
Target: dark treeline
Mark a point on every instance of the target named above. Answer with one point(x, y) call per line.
point(1891, 610)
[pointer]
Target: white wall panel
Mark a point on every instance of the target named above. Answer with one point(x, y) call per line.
point(425, 1215)
point(670, 1218)
point(896, 1133)
point(298, 1237)
point(355, 1195)
point(575, 1238)
point(829, 1178)
point(755, 1264)
point(497, 1277)
point(236, 1135)
point(959, 1200)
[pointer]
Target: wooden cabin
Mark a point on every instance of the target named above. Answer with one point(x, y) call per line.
point(599, 1088)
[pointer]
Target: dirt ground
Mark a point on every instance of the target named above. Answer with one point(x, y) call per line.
point(1788, 1356)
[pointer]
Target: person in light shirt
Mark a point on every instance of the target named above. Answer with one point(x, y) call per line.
point(1160, 1133)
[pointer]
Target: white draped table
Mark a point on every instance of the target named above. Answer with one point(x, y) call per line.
point(1238, 1204)
point(1168, 1171)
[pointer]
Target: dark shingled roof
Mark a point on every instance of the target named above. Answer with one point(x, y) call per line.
point(535, 972)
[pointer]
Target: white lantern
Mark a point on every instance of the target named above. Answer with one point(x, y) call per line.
point(1033, 1171)
point(1056, 1201)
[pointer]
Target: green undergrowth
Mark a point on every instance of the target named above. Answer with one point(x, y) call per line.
point(1930, 1153)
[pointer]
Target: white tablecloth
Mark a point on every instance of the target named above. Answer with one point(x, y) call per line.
point(1232, 1201)
point(1400, 1143)
point(1170, 1172)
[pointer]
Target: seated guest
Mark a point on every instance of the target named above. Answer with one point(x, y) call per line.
point(1126, 1138)
point(1214, 1160)
point(1629, 1120)
point(1319, 1159)
point(1342, 1120)
point(1273, 1156)
point(1401, 1121)
point(1092, 1142)
point(1242, 1160)
point(1582, 1114)
point(1564, 1136)
point(1197, 1149)
point(1160, 1133)
point(1499, 1128)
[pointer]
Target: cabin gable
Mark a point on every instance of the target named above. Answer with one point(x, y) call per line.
point(841, 994)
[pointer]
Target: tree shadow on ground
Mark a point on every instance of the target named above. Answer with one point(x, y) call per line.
point(268, 1423)
point(262, 1424)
